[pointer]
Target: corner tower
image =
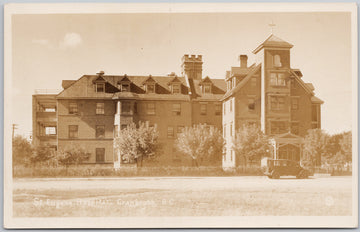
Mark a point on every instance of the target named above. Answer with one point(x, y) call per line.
point(274, 56)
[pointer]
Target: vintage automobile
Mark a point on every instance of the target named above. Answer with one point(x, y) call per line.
point(275, 168)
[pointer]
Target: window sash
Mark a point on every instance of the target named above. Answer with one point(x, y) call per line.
point(217, 109)
point(125, 107)
point(50, 130)
point(73, 108)
point(277, 103)
point(100, 108)
point(100, 155)
point(100, 131)
point(176, 109)
point(150, 88)
point(100, 87)
point(203, 109)
point(170, 132)
point(73, 131)
point(175, 88)
point(150, 108)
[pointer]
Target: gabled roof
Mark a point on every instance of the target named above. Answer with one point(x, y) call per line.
point(124, 79)
point(149, 80)
point(99, 79)
point(273, 41)
point(175, 80)
point(205, 80)
point(242, 83)
point(302, 83)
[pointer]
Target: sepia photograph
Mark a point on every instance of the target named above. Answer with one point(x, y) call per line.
point(174, 115)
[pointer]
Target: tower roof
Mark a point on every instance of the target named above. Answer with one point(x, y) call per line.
point(273, 41)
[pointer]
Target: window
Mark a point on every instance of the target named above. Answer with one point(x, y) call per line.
point(253, 82)
point(125, 107)
point(295, 128)
point(217, 109)
point(100, 108)
point(251, 104)
point(176, 88)
point(150, 88)
point(176, 109)
point(224, 130)
point(277, 79)
point(100, 87)
point(170, 132)
point(125, 87)
point(231, 155)
point(233, 80)
point(73, 131)
point(277, 61)
point(206, 88)
point(150, 108)
point(294, 103)
point(203, 109)
point(180, 129)
point(224, 108)
point(278, 127)
point(100, 155)
point(231, 128)
point(277, 102)
point(100, 131)
point(50, 109)
point(73, 108)
point(50, 130)
point(231, 106)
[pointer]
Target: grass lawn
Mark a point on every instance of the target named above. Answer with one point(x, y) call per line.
point(203, 196)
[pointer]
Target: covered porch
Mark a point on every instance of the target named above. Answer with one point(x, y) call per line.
point(287, 146)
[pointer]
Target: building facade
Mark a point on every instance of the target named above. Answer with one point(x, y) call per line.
point(272, 95)
point(91, 111)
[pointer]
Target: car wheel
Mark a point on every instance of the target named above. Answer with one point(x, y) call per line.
point(275, 175)
point(302, 175)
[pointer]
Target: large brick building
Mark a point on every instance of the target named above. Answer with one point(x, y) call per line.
point(90, 111)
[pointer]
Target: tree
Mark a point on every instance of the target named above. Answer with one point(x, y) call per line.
point(42, 154)
point(72, 155)
point(21, 151)
point(202, 143)
point(135, 144)
point(315, 147)
point(346, 146)
point(250, 143)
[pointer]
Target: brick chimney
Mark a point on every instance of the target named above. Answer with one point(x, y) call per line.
point(243, 61)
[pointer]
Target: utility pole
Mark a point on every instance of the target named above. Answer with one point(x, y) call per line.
point(14, 127)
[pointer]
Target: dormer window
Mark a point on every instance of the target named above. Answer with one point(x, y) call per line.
point(176, 88)
point(206, 88)
point(150, 88)
point(277, 61)
point(100, 87)
point(125, 87)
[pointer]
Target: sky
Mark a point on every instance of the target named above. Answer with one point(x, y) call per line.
point(47, 49)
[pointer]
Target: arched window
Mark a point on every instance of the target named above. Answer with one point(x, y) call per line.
point(277, 61)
